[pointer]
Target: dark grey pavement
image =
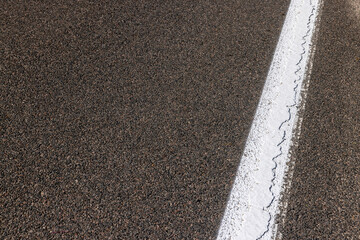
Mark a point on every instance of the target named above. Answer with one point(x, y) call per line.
point(127, 119)
point(325, 196)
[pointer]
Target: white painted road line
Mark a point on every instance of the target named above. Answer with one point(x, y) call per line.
point(254, 199)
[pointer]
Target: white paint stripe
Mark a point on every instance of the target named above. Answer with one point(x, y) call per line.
point(253, 202)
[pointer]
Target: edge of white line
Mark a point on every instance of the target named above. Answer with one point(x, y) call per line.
point(254, 199)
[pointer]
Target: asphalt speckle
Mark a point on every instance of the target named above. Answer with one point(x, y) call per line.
point(127, 119)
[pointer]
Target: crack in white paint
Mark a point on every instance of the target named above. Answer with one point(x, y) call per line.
point(253, 202)
point(290, 109)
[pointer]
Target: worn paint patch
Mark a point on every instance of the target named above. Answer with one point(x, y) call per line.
point(354, 11)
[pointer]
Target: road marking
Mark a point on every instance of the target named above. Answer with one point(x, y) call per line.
point(254, 199)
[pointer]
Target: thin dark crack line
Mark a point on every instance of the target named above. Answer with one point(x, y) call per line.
point(287, 120)
point(283, 140)
point(289, 107)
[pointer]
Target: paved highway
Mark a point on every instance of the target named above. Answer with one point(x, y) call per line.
point(127, 119)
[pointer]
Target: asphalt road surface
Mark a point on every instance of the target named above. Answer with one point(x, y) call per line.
point(324, 201)
point(127, 119)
